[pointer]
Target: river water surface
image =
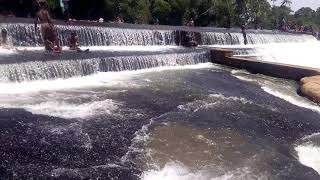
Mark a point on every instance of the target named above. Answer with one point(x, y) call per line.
point(188, 122)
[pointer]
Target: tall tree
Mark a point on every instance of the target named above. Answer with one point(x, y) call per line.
point(160, 10)
point(286, 2)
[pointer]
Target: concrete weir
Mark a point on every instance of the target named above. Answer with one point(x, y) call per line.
point(309, 77)
point(35, 65)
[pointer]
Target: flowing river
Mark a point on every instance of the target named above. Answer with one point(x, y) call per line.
point(164, 114)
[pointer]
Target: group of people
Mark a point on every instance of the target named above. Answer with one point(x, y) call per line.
point(49, 35)
point(291, 26)
point(47, 29)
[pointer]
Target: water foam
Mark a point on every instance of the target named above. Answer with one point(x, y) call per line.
point(301, 54)
point(7, 51)
point(155, 48)
point(274, 87)
point(172, 171)
point(68, 110)
point(141, 136)
point(177, 171)
point(115, 79)
point(295, 100)
point(309, 151)
point(65, 110)
point(298, 53)
point(309, 155)
point(66, 172)
point(212, 101)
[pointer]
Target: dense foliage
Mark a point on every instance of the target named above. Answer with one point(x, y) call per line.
point(219, 13)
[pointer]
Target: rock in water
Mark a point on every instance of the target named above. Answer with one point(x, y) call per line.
point(310, 87)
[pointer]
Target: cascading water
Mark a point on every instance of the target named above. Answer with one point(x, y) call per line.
point(257, 38)
point(37, 70)
point(217, 38)
point(301, 51)
point(23, 34)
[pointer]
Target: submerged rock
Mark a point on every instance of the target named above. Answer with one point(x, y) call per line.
point(310, 87)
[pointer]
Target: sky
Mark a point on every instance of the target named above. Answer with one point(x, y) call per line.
point(297, 4)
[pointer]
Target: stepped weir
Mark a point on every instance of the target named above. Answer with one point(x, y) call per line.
point(34, 66)
point(23, 34)
point(186, 117)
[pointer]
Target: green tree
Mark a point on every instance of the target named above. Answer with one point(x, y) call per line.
point(140, 11)
point(160, 10)
point(305, 16)
point(258, 13)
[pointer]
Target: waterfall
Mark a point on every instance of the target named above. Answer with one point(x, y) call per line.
point(36, 70)
point(23, 34)
point(220, 38)
point(236, 38)
point(257, 38)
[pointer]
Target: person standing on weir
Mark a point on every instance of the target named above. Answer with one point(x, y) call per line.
point(4, 37)
point(65, 9)
point(48, 33)
point(243, 30)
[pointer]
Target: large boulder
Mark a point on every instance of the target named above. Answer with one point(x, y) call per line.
point(310, 87)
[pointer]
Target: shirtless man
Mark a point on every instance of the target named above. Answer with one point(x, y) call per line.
point(47, 29)
point(243, 31)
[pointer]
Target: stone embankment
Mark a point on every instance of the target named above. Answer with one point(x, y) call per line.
point(310, 87)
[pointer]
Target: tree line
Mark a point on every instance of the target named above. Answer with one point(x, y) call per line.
point(218, 13)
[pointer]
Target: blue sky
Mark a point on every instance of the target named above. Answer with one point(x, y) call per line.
point(297, 4)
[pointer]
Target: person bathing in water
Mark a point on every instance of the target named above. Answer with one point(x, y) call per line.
point(48, 33)
point(4, 41)
point(4, 38)
point(74, 43)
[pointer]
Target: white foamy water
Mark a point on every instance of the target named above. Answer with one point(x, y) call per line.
point(115, 79)
point(68, 110)
point(309, 155)
point(277, 88)
point(7, 51)
point(173, 172)
point(301, 54)
point(309, 152)
point(294, 53)
point(15, 50)
point(212, 101)
point(296, 100)
point(177, 171)
point(50, 97)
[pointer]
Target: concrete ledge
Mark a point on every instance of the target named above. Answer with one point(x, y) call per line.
point(225, 56)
